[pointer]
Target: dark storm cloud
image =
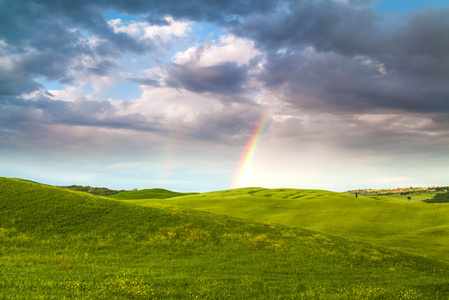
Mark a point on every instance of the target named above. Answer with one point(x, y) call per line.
point(228, 124)
point(425, 33)
point(52, 65)
point(225, 78)
point(15, 84)
point(330, 82)
point(325, 25)
point(349, 30)
point(335, 57)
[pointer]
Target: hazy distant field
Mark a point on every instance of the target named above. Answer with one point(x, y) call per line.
point(60, 244)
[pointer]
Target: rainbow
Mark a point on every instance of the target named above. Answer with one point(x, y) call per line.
point(166, 160)
point(247, 155)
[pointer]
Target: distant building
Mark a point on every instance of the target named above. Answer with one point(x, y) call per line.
point(134, 189)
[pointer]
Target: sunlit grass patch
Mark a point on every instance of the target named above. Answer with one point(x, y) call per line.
point(257, 241)
point(361, 292)
point(189, 234)
point(6, 232)
point(124, 286)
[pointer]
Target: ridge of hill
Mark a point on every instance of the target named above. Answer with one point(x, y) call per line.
point(400, 191)
point(102, 191)
point(394, 222)
point(56, 243)
point(155, 193)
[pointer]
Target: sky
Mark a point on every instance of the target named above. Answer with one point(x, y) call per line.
point(209, 95)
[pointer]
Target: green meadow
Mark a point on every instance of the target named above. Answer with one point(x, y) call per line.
point(395, 222)
point(239, 244)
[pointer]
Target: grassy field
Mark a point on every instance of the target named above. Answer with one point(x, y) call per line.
point(60, 244)
point(394, 222)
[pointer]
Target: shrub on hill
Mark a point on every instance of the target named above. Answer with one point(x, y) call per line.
point(439, 198)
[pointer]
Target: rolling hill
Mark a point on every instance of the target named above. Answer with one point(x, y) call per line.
point(61, 244)
point(394, 222)
point(148, 194)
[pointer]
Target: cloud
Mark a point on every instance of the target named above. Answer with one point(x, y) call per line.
point(55, 39)
point(146, 81)
point(221, 12)
point(333, 83)
point(143, 30)
point(227, 48)
point(423, 34)
point(324, 25)
point(225, 78)
point(227, 125)
point(101, 68)
point(346, 58)
point(384, 70)
point(39, 111)
point(14, 80)
point(223, 67)
point(330, 56)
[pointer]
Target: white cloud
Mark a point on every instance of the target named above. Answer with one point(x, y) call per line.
point(369, 62)
point(173, 104)
point(228, 48)
point(143, 30)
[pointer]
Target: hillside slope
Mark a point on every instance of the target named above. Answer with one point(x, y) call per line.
point(148, 194)
point(57, 244)
point(412, 226)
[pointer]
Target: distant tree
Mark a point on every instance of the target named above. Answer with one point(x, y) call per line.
point(439, 198)
point(93, 190)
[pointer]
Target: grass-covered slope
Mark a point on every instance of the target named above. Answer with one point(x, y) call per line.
point(59, 244)
point(395, 222)
point(148, 194)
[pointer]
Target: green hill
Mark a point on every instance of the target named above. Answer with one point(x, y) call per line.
point(61, 244)
point(394, 222)
point(148, 194)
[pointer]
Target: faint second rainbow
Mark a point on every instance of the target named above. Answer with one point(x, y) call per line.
point(247, 155)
